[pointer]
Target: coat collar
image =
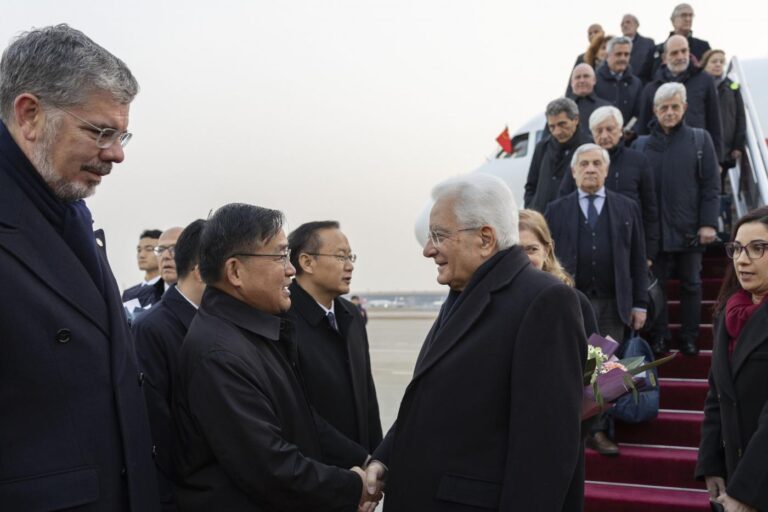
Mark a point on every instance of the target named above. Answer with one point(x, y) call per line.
point(443, 338)
point(223, 305)
point(304, 305)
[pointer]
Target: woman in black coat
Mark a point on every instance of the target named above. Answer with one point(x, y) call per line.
point(733, 454)
point(732, 113)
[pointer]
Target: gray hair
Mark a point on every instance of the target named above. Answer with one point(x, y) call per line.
point(602, 113)
point(560, 105)
point(668, 91)
point(589, 147)
point(482, 200)
point(62, 66)
point(634, 18)
point(678, 8)
point(617, 40)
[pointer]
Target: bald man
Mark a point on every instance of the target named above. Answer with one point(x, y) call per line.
point(703, 103)
point(583, 93)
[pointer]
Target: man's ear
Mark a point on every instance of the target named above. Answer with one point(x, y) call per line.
point(233, 272)
point(488, 241)
point(196, 273)
point(307, 263)
point(29, 117)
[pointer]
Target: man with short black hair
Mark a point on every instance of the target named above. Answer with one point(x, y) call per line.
point(248, 437)
point(151, 288)
point(687, 178)
point(330, 333)
point(552, 154)
point(159, 334)
point(74, 429)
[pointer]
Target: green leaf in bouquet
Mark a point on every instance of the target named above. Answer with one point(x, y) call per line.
point(654, 364)
point(631, 386)
point(630, 363)
point(589, 370)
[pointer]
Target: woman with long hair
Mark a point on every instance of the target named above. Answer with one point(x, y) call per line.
point(733, 454)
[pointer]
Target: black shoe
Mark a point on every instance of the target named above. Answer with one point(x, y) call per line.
point(689, 348)
point(659, 346)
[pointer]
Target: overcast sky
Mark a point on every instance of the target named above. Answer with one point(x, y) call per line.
point(347, 109)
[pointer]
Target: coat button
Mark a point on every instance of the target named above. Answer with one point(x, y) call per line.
point(141, 379)
point(154, 450)
point(63, 335)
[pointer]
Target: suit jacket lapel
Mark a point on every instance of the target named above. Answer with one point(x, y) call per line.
point(41, 249)
point(460, 321)
point(349, 331)
point(753, 335)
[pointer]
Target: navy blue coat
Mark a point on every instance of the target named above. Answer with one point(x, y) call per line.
point(629, 265)
point(703, 103)
point(688, 197)
point(587, 104)
point(147, 295)
point(642, 47)
point(74, 429)
point(471, 432)
point(159, 334)
point(336, 367)
point(630, 175)
point(623, 93)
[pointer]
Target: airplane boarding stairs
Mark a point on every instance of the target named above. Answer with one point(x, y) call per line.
point(657, 459)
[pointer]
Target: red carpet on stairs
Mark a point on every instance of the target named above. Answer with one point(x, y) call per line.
point(654, 470)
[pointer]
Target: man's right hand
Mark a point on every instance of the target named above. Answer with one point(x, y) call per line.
point(368, 500)
point(715, 486)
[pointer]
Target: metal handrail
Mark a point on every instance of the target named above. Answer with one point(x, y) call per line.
point(757, 150)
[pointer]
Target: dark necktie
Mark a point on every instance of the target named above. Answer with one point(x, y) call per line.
point(332, 320)
point(592, 211)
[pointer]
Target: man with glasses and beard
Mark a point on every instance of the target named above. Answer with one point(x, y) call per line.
point(248, 438)
point(330, 332)
point(74, 431)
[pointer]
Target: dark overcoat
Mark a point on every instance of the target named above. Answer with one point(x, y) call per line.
point(630, 175)
point(623, 93)
point(73, 424)
point(642, 48)
point(703, 103)
point(491, 419)
point(734, 119)
point(627, 243)
point(687, 191)
point(336, 367)
point(734, 435)
point(248, 438)
point(159, 334)
point(147, 295)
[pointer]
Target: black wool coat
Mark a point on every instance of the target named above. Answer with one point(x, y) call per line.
point(641, 48)
point(630, 175)
point(147, 295)
point(629, 265)
point(159, 334)
point(248, 440)
point(491, 419)
point(336, 367)
point(734, 119)
point(688, 196)
point(703, 103)
point(734, 435)
point(73, 425)
point(623, 93)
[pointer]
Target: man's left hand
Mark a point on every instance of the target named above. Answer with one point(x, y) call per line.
point(707, 235)
point(733, 505)
point(638, 319)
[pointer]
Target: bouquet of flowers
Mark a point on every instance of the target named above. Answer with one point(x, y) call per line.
point(606, 378)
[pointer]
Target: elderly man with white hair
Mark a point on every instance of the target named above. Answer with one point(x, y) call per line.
point(629, 173)
point(704, 108)
point(598, 238)
point(686, 173)
point(491, 419)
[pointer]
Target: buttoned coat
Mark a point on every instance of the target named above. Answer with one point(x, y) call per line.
point(491, 418)
point(627, 243)
point(336, 367)
point(159, 334)
point(73, 424)
point(248, 439)
point(734, 435)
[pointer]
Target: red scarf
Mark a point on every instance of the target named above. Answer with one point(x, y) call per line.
point(738, 310)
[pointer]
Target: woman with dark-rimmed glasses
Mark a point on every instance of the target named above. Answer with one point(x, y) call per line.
point(733, 454)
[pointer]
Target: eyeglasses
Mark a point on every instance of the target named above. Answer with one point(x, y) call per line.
point(106, 136)
point(341, 258)
point(755, 250)
point(160, 249)
point(282, 257)
point(437, 237)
